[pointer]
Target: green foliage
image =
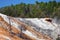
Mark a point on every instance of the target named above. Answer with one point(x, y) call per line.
point(39, 9)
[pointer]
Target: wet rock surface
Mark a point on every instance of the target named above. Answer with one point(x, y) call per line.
point(27, 28)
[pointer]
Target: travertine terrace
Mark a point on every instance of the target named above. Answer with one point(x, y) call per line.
point(15, 29)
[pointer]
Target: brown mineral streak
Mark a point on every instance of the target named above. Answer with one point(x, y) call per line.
point(39, 35)
point(5, 29)
point(16, 31)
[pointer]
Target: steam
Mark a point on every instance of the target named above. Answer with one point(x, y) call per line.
point(57, 21)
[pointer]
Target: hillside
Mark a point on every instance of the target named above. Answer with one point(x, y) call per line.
point(49, 9)
point(12, 28)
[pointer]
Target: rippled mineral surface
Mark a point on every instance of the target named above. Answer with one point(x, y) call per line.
point(12, 28)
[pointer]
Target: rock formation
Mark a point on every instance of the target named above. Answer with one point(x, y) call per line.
point(27, 28)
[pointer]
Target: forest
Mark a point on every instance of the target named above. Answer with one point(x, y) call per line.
point(49, 9)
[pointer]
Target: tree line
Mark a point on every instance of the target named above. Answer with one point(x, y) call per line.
point(37, 10)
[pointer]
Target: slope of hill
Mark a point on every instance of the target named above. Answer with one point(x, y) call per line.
point(37, 10)
point(27, 28)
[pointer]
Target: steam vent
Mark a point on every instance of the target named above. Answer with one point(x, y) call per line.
point(12, 28)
